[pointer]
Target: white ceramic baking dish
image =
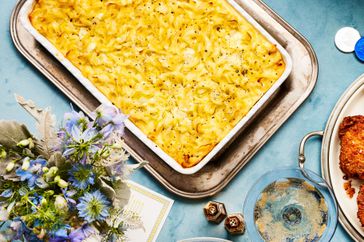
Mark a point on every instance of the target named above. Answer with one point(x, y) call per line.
point(24, 18)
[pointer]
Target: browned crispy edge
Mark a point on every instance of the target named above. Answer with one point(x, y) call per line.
point(348, 122)
point(360, 202)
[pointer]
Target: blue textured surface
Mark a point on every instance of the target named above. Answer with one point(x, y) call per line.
point(318, 21)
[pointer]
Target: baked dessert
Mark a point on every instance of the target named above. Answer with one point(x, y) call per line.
point(186, 72)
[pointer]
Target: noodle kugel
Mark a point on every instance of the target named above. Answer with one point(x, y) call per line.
point(186, 72)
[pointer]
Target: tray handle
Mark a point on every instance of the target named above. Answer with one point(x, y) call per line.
point(302, 158)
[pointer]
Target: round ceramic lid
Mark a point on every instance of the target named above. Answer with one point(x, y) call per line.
point(346, 38)
point(285, 206)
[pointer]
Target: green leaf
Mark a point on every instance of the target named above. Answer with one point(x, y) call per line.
point(11, 133)
point(122, 194)
point(118, 192)
point(10, 206)
point(46, 123)
point(14, 158)
point(28, 152)
point(56, 159)
point(133, 167)
point(106, 189)
point(11, 177)
point(3, 165)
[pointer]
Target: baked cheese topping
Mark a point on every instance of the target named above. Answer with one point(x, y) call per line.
point(186, 71)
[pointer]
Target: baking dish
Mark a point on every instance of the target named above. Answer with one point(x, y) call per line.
point(27, 7)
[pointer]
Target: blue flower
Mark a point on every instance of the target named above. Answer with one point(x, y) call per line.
point(68, 196)
point(63, 140)
point(23, 233)
point(93, 206)
point(74, 118)
point(7, 193)
point(33, 174)
point(81, 233)
point(107, 130)
point(60, 234)
point(85, 136)
point(77, 235)
point(81, 176)
point(82, 143)
point(109, 114)
point(110, 119)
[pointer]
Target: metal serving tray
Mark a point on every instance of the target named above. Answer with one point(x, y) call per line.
point(216, 174)
point(222, 144)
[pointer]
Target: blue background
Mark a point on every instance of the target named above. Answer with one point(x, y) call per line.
point(318, 21)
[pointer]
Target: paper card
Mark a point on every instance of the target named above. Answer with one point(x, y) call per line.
point(153, 209)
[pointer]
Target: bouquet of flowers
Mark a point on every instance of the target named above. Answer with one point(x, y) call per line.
point(69, 184)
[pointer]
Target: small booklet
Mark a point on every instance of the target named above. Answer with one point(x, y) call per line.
point(153, 209)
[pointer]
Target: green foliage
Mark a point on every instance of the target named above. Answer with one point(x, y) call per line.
point(46, 124)
point(40, 183)
point(122, 194)
point(56, 159)
point(11, 133)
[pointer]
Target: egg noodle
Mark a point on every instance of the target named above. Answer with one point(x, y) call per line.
point(186, 71)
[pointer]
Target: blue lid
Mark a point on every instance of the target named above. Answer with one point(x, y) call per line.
point(359, 49)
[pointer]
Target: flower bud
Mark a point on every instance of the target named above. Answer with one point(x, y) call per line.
point(45, 169)
point(62, 183)
point(61, 203)
point(10, 166)
point(26, 164)
point(23, 143)
point(57, 178)
point(49, 192)
point(31, 143)
point(51, 173)
point(43, 202)
point(117, 146)
point(53, 170)
point(2, 154)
